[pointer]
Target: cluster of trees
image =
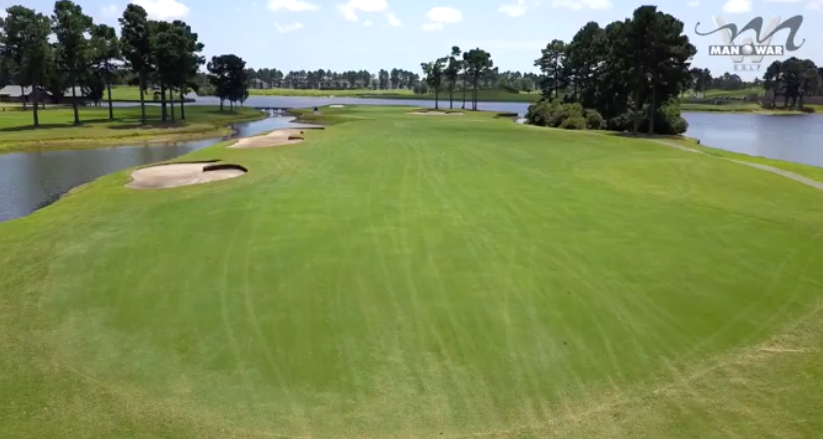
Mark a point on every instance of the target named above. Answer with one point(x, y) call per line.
point(228, 79)
point(68, 51)
point(629, 71)
point(468, 68)
point(794, 79)
point(393, 79)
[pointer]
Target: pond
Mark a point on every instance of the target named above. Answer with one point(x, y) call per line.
point(793, 138)
point(32, 180)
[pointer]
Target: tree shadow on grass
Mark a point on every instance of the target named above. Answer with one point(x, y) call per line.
point(48, 126)
point(150, 125)
point(646, 136)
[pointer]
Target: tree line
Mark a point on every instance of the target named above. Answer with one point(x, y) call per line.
point(394, 79)
point(629, 72)
point(68, 51)
point(794, 79)
point(466, 69)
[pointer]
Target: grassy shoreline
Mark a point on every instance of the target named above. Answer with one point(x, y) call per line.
point(57, 132)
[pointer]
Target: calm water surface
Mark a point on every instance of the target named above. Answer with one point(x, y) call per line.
point(32, 180)
point(29, 181)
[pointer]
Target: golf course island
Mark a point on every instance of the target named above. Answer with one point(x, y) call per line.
point(397, 276)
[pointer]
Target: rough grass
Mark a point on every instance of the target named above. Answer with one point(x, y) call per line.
point(399, 276)
point(482, 95)
point(742, 107)
point(325, 93)
point(58, 132)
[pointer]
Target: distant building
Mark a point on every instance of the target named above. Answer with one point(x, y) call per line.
point(15, 93)
point(259, 84)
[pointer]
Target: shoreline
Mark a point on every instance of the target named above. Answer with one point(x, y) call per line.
point(73, 144)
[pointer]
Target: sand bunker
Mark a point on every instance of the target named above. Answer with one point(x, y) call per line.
point(274, 138)
point(183, 174)
point(337, 106)
point(436, 113)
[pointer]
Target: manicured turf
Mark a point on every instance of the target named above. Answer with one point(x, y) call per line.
point(482, 95)
point(419, 276)
point(57, 131)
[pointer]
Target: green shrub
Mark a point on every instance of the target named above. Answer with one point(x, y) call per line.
point(667, 120)
point(594, 121)
point(807, 110)
point(574, 123)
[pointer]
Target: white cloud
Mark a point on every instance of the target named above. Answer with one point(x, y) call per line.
point(737, 6)
point(576, 5)
point(367, 23)
point(442, 14)
point(285, 28)
point(393, 20)
point(432, 26)
point(292, 5)
point(694, 3)
point(349, 9)
point(514, 10)
point(164, 9)
point(109, 11)
point(254, 5)
point(3, 13)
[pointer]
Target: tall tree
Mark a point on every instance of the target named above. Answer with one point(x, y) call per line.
point(70, 26)
point(25, 50)
point(136, 46)
point(190, 62)
point(105, 47)
point(479, 62)
point(655, 55)
point(453, 72)
point(434, 77)
point(583, 63)
point(218, 77)
point(773, 79)
point(551, 64)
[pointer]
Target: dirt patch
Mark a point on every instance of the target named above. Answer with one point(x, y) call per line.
point(274, 138)
point(436, 113)
point(183, 174)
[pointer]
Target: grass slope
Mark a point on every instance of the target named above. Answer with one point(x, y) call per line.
point(325, 93)
point(58, 132)
point(409, 276)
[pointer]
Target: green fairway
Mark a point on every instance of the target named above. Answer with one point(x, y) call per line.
point(401, 276)
point(354, 92)
point(58, 132)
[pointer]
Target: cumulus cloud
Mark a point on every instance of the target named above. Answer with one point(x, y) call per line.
point(292, 5)
point(694, 3)
point(440, 16)
point(737, 6)
point(393, 20)
point(367, 23)
point(514, 10)
point(164, 9)
point(576, 5)
point(349, 10)
point(286, 28)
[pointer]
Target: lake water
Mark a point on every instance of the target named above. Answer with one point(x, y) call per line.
point(29, 181)
point(32, 180)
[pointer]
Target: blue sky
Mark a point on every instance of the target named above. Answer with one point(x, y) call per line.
point(374, 34)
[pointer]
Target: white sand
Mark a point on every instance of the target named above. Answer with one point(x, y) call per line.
point(274, 138)
point(179, 174)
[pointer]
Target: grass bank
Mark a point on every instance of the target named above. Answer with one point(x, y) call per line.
point(482, 95)
point(58, 132)
point(326, 93)
point(421, 276)
point(742, 107)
